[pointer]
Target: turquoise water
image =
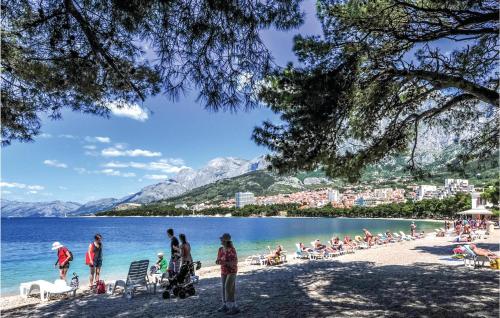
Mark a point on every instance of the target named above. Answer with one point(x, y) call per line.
point(27, 255)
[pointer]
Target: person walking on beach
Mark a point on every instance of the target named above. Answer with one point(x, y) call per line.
point(63, 258)
point(228, 261)
point(185, 249)
point(93, 259)
point(413, 229)
point(173, 265)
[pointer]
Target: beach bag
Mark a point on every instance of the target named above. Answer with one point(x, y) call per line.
point(101, 287)
point(75, 283)
point(70, 256)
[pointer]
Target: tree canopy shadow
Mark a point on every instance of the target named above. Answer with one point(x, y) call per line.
point(312, 289)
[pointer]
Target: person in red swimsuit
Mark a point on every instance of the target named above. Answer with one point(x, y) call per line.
point(63, 258)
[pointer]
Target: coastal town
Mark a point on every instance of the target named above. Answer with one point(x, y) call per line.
point(349, 197)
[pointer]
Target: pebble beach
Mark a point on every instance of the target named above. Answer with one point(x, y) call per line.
point(405, 279)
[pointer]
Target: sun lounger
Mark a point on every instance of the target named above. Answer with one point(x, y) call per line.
point(137, 277)
point(473, 258)
point(318, 254)
point(300, 254)
point(256, 260)
point(385, 238)
point(45, 289)
point(361, 244)
point(405, 237)
point(34, 287)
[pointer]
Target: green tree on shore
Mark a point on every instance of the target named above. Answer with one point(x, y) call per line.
point(383, 71)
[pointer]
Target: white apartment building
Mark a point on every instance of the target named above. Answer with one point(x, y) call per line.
point(244, 198)
point(333, 195)
point(452, 186)
point(477, 201)
point(423, 189)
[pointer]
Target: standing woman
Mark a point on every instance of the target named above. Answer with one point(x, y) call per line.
point(185, 249)
point(228, 261)
point(63, 259)
point(413, 229)
point(93, 259)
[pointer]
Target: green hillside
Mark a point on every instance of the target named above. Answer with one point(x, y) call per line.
point(258, 182)
point(389, 174)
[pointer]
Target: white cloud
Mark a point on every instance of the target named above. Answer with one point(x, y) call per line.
point(114, 152)
point(120, 145)
point(45, 135)
point(32, 192)
point(81, 170)
point(163, 165)
point(12, 185)
point(90, 147)
point(6, 192)
point(156, 176)
point(124, 109)
point(20, 186)
point(55, 163)
point(67, 136)
point(35, 187)
point(112, 172)
point(62, 188)
point(104, 140)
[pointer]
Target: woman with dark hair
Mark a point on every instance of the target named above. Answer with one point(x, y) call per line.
point(93, 259)
point(185, 249)
point(228, 261)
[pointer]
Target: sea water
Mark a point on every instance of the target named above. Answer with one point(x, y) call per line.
point(27, 255)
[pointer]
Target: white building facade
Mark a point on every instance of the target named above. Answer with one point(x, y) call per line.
point(244, 198)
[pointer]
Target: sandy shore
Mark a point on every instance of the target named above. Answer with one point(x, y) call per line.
point(408, 279)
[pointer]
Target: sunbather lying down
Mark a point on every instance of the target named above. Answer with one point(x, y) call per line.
point(304, 249)
point(482, 251)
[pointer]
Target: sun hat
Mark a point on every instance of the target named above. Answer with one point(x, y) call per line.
point(159, 254)
point(56, 245)
point(226, 237)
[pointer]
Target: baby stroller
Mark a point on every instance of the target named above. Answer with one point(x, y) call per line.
point(182, 284)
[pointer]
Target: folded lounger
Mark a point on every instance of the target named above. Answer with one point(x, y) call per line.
point(256, 260)
point(46, 289)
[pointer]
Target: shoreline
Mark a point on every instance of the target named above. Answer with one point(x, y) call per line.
point(386, 260)
point(259, 217)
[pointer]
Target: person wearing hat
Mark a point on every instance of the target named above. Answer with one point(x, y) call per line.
point(161, 263)
point(228, 261)
point(63, 258)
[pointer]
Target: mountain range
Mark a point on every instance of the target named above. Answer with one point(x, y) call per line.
point(186, 180)
point(221, 178)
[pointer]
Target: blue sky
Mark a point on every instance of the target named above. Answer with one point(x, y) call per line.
point(84, 157)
